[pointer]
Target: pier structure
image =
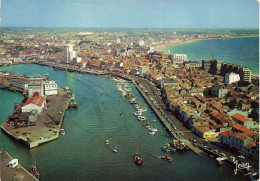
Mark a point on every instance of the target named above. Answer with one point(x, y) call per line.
point(48, 124)
point(17, 173)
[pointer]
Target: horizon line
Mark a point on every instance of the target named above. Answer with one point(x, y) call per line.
point(123, 28)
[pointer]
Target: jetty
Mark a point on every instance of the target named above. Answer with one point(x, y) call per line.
point(17, 173)
point(48, 124)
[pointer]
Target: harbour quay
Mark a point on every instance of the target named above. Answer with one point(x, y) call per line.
point(13, 171)
point(39, 117)
point(165, 123)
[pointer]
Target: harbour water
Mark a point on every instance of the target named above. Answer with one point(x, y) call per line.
point(239, 51)
point(82, 155)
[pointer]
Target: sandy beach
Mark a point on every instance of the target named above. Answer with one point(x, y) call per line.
point(160, 48)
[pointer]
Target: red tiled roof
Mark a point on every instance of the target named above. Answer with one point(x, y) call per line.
point(240, 136)
point(225, 133)
point(240, 117)
point(36, 100)
point(241, 128)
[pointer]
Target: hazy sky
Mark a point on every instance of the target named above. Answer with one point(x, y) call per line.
point(131, 13)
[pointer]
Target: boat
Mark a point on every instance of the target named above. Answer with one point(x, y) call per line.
point(107, 142)
point(167, 157)
point(115, 149)
point(73, 103)
point(152, 129)
point(147, 125)
point(168, 148)
point(142, 118)
point(143, 109)
point(34, 170)
point(138, 159)
point(132, 101)
point(136, 113)
point(45, 74)
point(62, 131)
point(152, 133)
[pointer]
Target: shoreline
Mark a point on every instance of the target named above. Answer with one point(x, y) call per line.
point(163, 46)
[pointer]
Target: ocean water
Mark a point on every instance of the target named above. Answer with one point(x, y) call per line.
point(240, 51)
point(82, 155)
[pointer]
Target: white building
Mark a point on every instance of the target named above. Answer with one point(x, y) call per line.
point(13, 163)
point(118, 41)
point(20, 83)
point(50, 88)
point(35, 85)
point(77, 60)
point(141, 43)
point(231, 77)
point(143, 69)
point(69, 54)
point(179, 58)
point(34, 103)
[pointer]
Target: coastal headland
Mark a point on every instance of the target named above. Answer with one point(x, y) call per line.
point(48, 124)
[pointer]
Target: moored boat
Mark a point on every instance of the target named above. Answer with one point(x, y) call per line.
point(62, 131)
point(152, 133)
point(136, 113)
point(34, 170)
point(142, 118)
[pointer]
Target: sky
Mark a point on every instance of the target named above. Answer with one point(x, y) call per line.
point(130, 13)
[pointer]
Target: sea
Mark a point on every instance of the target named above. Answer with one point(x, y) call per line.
point(103, 114)
point(239, 51)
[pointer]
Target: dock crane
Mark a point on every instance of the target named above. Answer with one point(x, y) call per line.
point(56, 122)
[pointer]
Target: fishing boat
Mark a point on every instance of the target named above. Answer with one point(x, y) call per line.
point(167, 157)
point(115, 149)
point(107, 142)
point(34, 170)
point(138, 159)
point(62, 131)
point(73, 103)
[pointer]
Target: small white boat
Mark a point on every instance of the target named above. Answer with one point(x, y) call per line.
point(62, 131)
point(115, 149)
point(152, 129)
point(152, 133)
